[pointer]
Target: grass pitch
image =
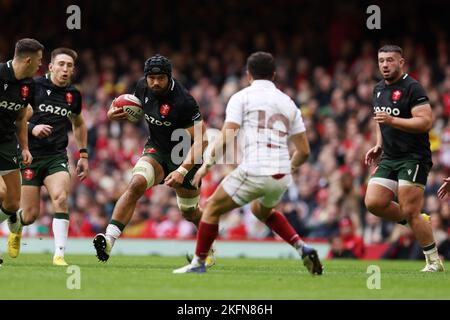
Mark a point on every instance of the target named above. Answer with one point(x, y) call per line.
point(32, 276)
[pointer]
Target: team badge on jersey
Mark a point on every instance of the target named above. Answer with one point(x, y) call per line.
point(165, 108)
point(28, 174)
point(396, 95)
point(24, 91)
point(69, 98)
point(150, 150)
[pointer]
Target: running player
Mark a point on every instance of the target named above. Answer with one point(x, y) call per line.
point(168, 107)
point(57, 105)
point(16, 93)
point(267, 118)
point(404, 118)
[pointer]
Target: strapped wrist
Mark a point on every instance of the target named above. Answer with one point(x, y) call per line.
point(182, 170)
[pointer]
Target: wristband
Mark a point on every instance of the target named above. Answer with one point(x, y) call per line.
point(31, 127)
point(183, 171)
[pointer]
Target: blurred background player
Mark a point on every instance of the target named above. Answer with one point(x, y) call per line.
point(404, 118)
point(16, 93)
point(168, 107)
point(267, 118)
point(57, 104)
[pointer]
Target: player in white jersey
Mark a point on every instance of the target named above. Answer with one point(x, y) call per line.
point(267, 119)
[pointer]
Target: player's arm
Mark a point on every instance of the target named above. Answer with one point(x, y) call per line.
point(22, 136)
point(302, 150)
point(218, 150)
point(375, 152)
point(37, 130)
point(80, 132)
point(421, 121)
point(194, 156)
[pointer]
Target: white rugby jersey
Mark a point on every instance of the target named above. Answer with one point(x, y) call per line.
point(267, 117)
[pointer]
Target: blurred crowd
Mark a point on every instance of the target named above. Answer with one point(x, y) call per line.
point(324, 63)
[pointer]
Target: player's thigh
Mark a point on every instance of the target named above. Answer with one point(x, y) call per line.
point(274, 189)
point(242, 188)
point(219, 203)
point(150, 168)
point(382, 186)
point(2, 189)
point(58, 186)
point(410, 199)
point(379, 194)
point(12, 184)
point(30, 203)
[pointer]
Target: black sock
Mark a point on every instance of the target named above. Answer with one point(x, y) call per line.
point(12, 215)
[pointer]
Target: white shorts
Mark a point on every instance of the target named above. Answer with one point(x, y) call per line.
point(244, 188)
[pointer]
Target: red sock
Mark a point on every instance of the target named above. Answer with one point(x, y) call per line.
point(206, 235)
point(279, 224)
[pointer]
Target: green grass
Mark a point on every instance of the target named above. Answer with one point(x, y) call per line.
point(131, 277)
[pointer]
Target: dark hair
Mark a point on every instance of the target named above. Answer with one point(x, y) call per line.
point(71, 53)
point(27, 45)
point(261, 65)
point(391, 48)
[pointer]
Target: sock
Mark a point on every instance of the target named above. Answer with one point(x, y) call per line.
point(113, 231)
point(431, 252)
point(60, 226)
point(6, 214)
point(206, 235)
point(278, 223)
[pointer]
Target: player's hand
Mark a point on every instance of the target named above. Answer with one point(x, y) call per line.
point(27, 158)
point(202, 171)
point(444, 189)
point(174, 179)
point(82, 168)
point(42, 131)
point(116, 113)
point(383, 117)
point(372, 155)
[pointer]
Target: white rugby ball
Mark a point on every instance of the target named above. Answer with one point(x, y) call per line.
point(131, 105)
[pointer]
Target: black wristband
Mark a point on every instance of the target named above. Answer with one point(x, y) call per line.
point(83, 150)
point(30, 127)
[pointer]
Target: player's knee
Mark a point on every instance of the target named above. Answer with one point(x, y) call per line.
point(211, 208)
point(11, 203)
point(137, 187)
point(146, 170)
point(188, 206)
point(410, 211)
point(374, 204)
point(29, 216)
point(60, 202)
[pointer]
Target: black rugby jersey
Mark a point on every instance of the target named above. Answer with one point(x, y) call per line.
point(398, 99)
point(14, 96)
point(164, 114)
point(53, 105)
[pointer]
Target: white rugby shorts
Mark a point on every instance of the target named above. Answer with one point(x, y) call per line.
point(244, 188)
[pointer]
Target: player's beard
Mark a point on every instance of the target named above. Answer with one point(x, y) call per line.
point(160, 92)
point(392, 76)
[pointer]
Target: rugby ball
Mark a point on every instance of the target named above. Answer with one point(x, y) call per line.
point(131, 105)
